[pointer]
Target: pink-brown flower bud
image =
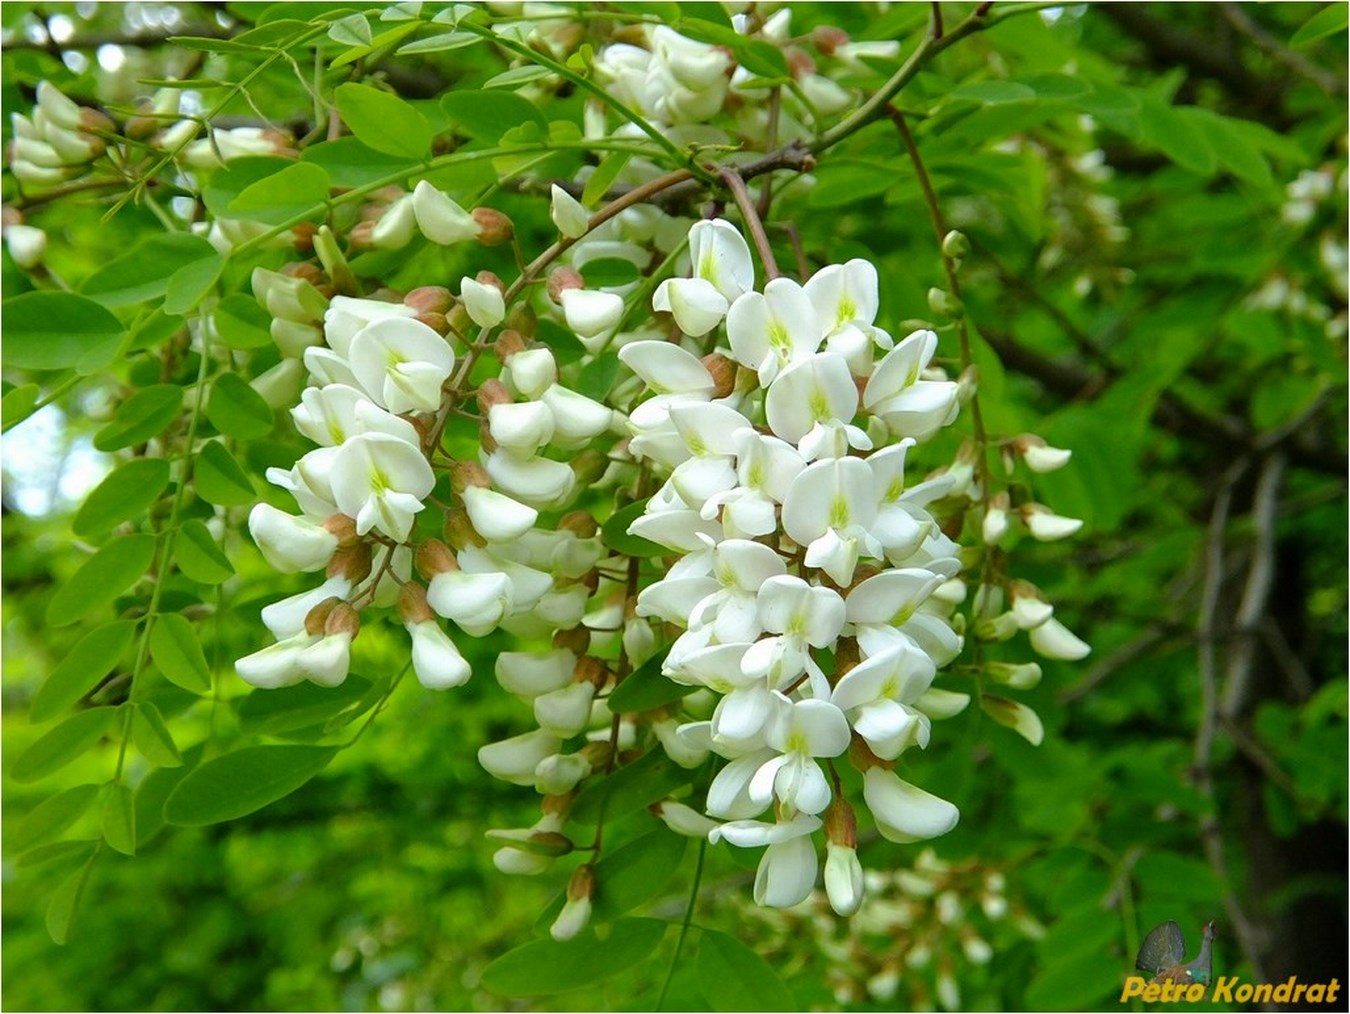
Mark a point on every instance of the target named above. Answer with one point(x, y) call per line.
point(352, 562)
point(491, 393)
point(490, 278)
point(496, 227)
point(841, 823)
point(343, 619)
point(580, 523)
point(723, 372)
point(435, 557)
point(412, 604)
point(577, 640)
point(343, 527)
point(560, 279)
point(508, 343)
point(429, 299)
point(317, 618)
point(828, 38)
point(464, 474)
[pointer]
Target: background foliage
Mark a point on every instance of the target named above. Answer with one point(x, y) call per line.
point(1155, 196)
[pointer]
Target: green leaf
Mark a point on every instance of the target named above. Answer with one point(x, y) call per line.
point(275, 711)
point(61, 745)
point(178, 654)
point(241, 323)
point(51, 817)
point(384, 121)
point(439, 43)
point(517, 76)
point(225, 184)
point(124, 494)
point(66, 901)
point(236, 784)
point(735, 978)
point(486, 116)
point(54, 330)
point(152, 736)
point(145, 271)
point(237, 410)
point(140, 417)
point(1328, 21)
point(604, 176)
point(636, 873)
point(614, 533)
point(191, 284)
point(298, 189)
point(349, 163)
point(609, 271)
point(652, 777)
point(353, 30)
point(646, 689)
point(84, 667)
point(198, 555)
point(18, 404)
point(543, 967)
point(219, 479)
point(993, 93)
point(598, 376)
point(1173, 131)
point(101, 578)
point(119, 819)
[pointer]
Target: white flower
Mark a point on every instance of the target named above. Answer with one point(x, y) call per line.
point(592, 314)
point(485, 302)
point(810, 392)
point(396, 226)
point(539, 482)
point(684, 820)
point(495, 516)
point(1046, 526)
point(910, 406)
point(522, 427)
point(441, 219)
point(401, 364)
point(436, 661)
point(514, 760)
point(800, 732)
point(559, 774)
point(477, 602)
point(568, 214)
point(289, 543)
point(277, 665)
point(529, 674)
point(723, 272)
point(330, 414)
point(346, 315)
point(567, 711)
point(27, 244)
point(904, 812)
point(765, 468)
point(843, 878)
point(381, 481)
point(576, 419)
point(772, 331)
point(787, 872)
point(1042, 458)
point(1054, 640)
point(829, 509)
point(531, 371)
point(800, 615)
point(880, 692)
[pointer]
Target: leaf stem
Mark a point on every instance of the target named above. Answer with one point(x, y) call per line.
point(684, 924)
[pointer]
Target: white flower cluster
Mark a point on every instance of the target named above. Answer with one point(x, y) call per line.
point(56, 141)
point(800, 541)
point(377, 396)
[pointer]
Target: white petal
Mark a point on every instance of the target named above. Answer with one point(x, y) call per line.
point(905, 812)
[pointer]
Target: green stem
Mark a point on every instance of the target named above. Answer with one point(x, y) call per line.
point(684, 925)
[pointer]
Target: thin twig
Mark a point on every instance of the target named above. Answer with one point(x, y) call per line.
point(1256, 592)
point(753, 222)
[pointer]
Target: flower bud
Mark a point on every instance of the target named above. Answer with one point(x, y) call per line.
point(576, 913)
point(828, 38)
point(508, 343)
point(316, 620)
point(351, 562)
point(723, 372)
point(290, 543)
point(429, 299)
point(682, 819)
point(1039, 456)
point(955, 244)
point(27, 244)
point(438, 322)
point(560, 773)
point(1047, 526)
point(1019, 676)
point(568, 214)
point(580, 523)
point(435, 557)
point(1054, 640)
point(494, 226)
point(577, 640)
point(483, 300)
point(562, 278)
point(944, 304)
point(441, 219)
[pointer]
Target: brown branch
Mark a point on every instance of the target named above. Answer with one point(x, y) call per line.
point(753, 222)
point(1279, 52)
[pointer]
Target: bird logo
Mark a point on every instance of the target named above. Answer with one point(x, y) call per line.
point(1163, 955)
